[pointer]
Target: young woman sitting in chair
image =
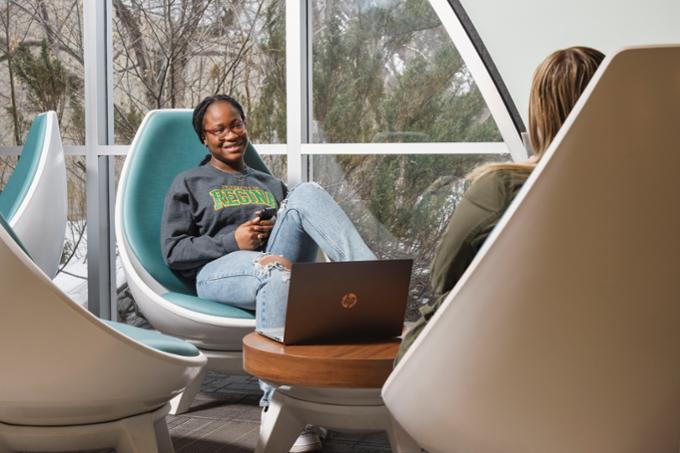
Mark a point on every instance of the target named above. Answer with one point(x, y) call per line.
point(557, 84)
point(214, 229)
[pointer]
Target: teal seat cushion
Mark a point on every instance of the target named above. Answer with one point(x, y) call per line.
point(24, 173)
point(10, 230)
point(165, 146)
point(207, 307)
point(156, 340)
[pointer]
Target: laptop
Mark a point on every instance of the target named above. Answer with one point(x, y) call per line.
point(344, 302)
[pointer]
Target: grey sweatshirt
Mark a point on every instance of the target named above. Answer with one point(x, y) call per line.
point(203, 208)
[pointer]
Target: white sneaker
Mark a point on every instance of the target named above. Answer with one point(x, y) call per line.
point(308, 440)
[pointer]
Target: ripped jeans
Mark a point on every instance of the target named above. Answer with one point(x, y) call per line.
point(308, 218)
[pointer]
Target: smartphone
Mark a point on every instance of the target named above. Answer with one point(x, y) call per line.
point(266, 214)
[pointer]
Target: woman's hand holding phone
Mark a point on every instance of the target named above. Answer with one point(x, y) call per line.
point(252, 234)
point(266, 213)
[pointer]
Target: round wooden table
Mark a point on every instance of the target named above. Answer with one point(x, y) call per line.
point(364, 365)
point(334, 385)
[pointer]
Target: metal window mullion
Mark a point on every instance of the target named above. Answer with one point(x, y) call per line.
point(307, 149)
point(405, 148)
point(99, 169)
point(297, 106)
point(108, 187)
point(308, 94)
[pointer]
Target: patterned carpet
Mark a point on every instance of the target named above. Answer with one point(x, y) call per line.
point(225, 418)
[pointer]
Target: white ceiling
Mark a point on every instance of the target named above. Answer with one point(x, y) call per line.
point(518, 34)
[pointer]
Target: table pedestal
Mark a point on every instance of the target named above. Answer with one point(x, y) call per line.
point(323, 385)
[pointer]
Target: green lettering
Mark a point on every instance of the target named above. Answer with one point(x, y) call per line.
point(217, 202)
point(243, 197)
point(237, 196)
point(230, 197)
point(270, 200)
point(259, 196)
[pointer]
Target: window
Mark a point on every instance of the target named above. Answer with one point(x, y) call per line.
point(173, 54)
point(41, 69)
point(396, 117)
point(385, 74)
point(401, 204)
point(387, 71)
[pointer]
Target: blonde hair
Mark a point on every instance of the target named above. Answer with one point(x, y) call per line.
point(557, 84)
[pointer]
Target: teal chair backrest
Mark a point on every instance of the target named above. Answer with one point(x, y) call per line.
point(165, 145)
point(19, 182)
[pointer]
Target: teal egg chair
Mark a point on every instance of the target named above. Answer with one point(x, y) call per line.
point(165, 145)
point(34, 199)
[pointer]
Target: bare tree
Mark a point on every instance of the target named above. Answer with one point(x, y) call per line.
point(170, 53)
point(41, 51)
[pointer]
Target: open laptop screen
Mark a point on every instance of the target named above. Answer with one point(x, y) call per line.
point(343, 302)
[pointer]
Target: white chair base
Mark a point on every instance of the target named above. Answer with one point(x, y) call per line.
point(144, 433)
point(341, 409)
point(226, 362)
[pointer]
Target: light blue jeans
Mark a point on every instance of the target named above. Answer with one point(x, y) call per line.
point(308, 218)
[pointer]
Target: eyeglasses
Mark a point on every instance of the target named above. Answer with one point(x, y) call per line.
point(237, 127)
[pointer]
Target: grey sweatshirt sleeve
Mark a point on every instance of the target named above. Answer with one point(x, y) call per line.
point(183, 247)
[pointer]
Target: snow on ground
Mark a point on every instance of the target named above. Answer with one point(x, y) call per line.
point(76, 287)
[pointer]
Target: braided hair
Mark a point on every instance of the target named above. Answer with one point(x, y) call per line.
point(202, 107)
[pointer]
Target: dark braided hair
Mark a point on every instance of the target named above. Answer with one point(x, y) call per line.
point(199, 111)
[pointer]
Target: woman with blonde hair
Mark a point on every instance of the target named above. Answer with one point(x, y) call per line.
point(557, 84)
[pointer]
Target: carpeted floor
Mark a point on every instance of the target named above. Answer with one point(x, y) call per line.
point(225, 418)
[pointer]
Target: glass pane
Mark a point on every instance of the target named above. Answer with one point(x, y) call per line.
point(386, 71)
point(277, 164)
point(42, 70)
point(7, 164)
point(400, 204)
point(168, 54)
point(41, 62)
point(72, 275)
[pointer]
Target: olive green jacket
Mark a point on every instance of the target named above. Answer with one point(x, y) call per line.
point(482, 205)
